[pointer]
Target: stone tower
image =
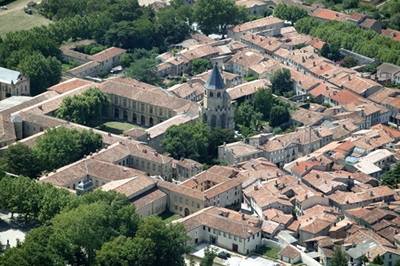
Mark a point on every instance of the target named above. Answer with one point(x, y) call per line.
point(217, 110)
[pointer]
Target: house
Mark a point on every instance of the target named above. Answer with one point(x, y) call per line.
point(143, 192)
point(246, 91)
point(239, 63)
point(13, 83)
point(187, 168)
point(139, 106)
point(326, 15)
point(386, 72)
point(290, 254)
point(302, 117)
point(237, 152)
point(188, 91)
point(393, 34)
point(225, 228)
point(365, 22)
point(268, 26)
point(342, 201)
point(255, 8)
point(361, 86)
point(203, 190)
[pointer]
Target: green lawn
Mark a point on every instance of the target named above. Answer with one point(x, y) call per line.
point(113, 127)
point(168, 216)
point(268, 251)
point(15, 19)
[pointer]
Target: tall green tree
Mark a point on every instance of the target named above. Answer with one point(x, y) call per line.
point(187, 140)
point(217, 137)
point(43, 72)
point(62, 146)
point(263, 101)
point(170, 240)
point(210, 254)
point(339, 257)
point(279, 115)
point(19, 160)
point(291, 13)
point(281, 81)
point(212, 15)
point(378, 260)
point(200, 65)
point(90, 105)
point(143, 70)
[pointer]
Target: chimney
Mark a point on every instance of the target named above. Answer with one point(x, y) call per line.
point(243, 217)
point(371, 193)
point(313, 63)
point(348, 77)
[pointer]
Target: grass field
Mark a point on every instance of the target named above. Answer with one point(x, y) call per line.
point(113, 127)
point(268, 251)
point(168, 216)
point(15, 19)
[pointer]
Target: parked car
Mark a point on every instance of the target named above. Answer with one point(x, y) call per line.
point(28, 11)
point(228, 255)
point(3, 7)
point(222, 256)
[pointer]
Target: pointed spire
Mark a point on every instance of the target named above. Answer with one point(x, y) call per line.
point(215, 81)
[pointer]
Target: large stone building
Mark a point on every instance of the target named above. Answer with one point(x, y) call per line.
point(217, 110)
point(13, 83)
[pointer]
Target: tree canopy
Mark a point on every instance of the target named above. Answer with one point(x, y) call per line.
point(290, 13)
point(82, 108)
point(195, 141)
point(281, 81)
point(214, 15)
point(392, 177)
point(98, 228)
point(339, 257)
point(55, 148)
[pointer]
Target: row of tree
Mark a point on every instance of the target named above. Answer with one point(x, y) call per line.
point(349, 36)
point(56, 148)
point(98, 228)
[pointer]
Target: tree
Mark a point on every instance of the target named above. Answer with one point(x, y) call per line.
point(349, 62)
point(290, 13)
point(263, 101)
point(339, 257)
point(170, 240)
point(364, 259)
point(62, 146)
point(126, 251)
point(370, 68)
point(102, 72)
point(19, 160)
point(217, 137)
point(268, 12)
point(43, 72)
point(281, 81)
point(187, 140)
point(279, 115)
point(90, 105)
point(378, 260)
point(212, 15)
point(247, 120)
point(209, 255)
point(200, 65)
point(325, 50)
point(143, 70)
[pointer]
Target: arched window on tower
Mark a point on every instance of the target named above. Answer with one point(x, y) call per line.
point(218, 94)
point(211, 94)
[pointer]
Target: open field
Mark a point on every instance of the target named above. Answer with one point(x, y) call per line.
point(15, 19)
point(113, 127)
point(268, 251)
point(168, 216)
